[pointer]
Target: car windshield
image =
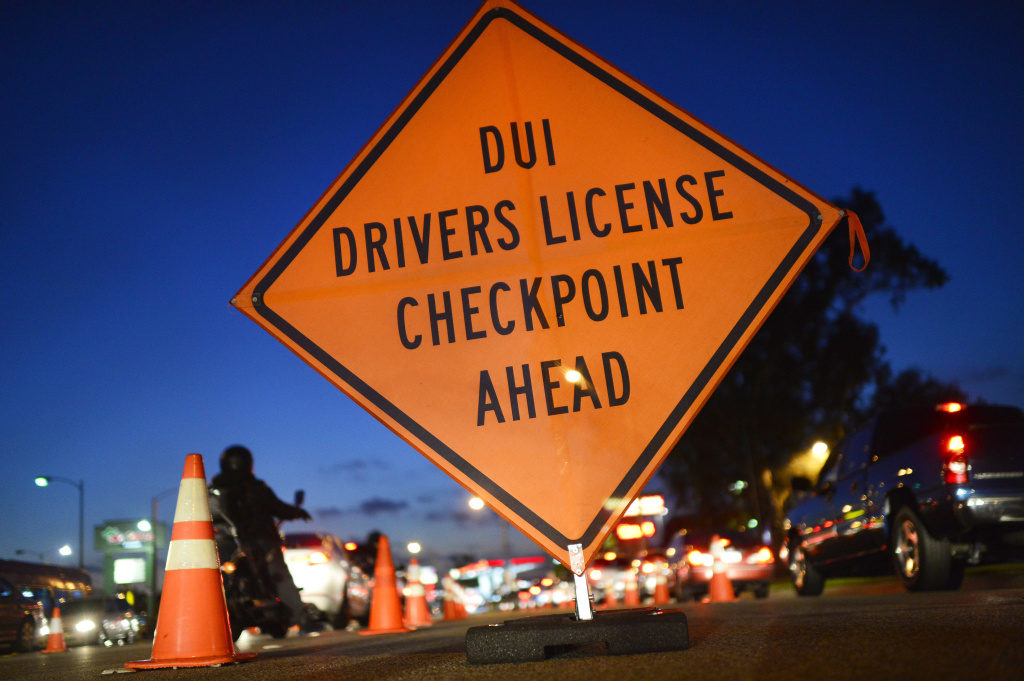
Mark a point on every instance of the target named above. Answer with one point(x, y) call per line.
point(701, 538)
point(81, 606)
point(303, 541)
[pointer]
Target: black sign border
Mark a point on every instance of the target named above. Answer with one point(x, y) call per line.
point(527, 25)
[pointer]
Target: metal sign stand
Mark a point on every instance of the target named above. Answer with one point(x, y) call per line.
point(619, 632)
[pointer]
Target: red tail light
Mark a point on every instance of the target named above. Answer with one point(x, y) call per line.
point(954, 472)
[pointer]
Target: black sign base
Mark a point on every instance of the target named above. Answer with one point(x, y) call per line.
point(619, 632)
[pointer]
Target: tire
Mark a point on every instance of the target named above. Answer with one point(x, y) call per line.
point(344, 614)
point(26, 639)
point(922, 561)
point(275, 629)
point(956, 575)
point(807, 581)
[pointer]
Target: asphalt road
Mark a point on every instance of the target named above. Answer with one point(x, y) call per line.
point(859, 629)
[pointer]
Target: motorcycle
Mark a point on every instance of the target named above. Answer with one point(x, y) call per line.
point(249, 591)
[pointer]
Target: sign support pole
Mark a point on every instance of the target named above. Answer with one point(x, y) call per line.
point(583, 610)
point(579, 573)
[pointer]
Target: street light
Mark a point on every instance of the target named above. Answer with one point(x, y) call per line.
point(154, 524)
point(44, 481)
point(477, 504)
point(413, 547)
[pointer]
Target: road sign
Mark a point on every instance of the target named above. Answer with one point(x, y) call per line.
point(536, 272)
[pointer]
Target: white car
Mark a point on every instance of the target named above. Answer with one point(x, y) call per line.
point(327, 578)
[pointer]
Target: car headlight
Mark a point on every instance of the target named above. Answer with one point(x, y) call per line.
point(85, 625)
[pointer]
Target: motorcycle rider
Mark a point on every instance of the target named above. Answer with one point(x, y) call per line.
point(253, 507)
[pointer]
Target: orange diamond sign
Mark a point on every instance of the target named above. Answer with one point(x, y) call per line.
point(536, 272)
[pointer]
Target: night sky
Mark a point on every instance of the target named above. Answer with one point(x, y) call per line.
point(152, 155)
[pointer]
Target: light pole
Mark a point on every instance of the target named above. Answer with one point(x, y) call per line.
point(477, 504)
point(152, 552)
point(44, 481)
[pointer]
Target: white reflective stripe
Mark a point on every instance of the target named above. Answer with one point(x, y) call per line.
point(188, 554)
point(412, 573)
point(415, 590)
point(56, 626)
point(193, 504)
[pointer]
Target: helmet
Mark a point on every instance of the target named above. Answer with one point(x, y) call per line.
point(236, 459)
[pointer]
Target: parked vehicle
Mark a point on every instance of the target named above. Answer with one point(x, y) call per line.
point(106, 620)
point(609, 572)
point(20, 618)
point(47, 585)
point(328, 579)
point(746, 560)
point(934, 488)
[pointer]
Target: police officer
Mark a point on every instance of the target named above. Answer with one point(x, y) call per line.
point(253, 507)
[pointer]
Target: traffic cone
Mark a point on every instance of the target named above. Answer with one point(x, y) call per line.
point(416, 612)
point(55, 641)
point(720, 588)
point(453, 608)
point(661, 595)
point(631, 598)
point(385, 605)
point(192, 628)
point(609, 596)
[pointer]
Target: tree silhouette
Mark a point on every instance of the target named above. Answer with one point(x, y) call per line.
point(813, 371)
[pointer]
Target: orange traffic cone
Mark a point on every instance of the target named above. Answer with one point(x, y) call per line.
point(610, 601)
point(720, 588)
point(416, 612)
point(661, 595)
point(55, 641)
point(385, 606)
point(453, 608)
point(192, 628)
point(631, 598)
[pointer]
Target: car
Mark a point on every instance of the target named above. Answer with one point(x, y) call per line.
point(649, 566)
point(20, 618)
point(747, 561)
point(329, 581)
point(609, 573)
point(927, 489)
point(106, 620)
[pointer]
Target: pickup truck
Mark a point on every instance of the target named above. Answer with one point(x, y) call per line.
point(933, 488)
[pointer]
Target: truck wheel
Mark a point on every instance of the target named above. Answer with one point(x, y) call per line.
point(805, 577)
point(26, 638)
point(923, 562)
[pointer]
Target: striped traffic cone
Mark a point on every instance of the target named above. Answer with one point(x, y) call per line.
point(661, 595)
point(417, 614)
point(192, 628)
point(55, 641)
point(631, 597)
point(610, 601)
point(720, 587)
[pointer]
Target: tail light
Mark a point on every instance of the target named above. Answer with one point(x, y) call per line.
point(595, 575)
point(316, 558)
point(954, 471)
point(763, 555)
point(227, 566)
point(699, 558)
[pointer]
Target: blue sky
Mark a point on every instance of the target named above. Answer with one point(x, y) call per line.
point(153, 154)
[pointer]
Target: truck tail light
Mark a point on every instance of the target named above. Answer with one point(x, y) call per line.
point(954, 472)
point(764, 555)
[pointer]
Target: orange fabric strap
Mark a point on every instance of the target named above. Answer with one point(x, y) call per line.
point(857, 238)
